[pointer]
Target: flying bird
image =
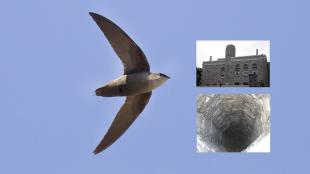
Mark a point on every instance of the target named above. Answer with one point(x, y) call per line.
point(136, 83)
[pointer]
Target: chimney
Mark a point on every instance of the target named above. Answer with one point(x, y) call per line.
point(256, 51)
point(210, 58)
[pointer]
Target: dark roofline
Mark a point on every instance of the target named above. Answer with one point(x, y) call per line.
point(239, 57)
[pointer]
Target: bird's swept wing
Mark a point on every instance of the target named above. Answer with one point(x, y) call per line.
point(130, 110)
point(131, 55)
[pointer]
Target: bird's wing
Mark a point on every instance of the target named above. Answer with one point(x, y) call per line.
point(129, 52)
point(130, 110)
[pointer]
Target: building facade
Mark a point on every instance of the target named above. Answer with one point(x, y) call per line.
point(252, 70)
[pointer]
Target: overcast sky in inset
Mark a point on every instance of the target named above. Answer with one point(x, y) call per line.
point(216, 49)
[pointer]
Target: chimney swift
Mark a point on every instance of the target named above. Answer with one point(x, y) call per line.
point(136, 83)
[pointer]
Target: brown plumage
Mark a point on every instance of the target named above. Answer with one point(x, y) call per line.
point(136, 84)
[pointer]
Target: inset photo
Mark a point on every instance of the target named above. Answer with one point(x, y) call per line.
point(233, 63)
point(233, 123)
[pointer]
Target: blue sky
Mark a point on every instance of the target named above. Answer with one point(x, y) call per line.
point(53, 56)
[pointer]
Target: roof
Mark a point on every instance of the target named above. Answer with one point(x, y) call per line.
point(240, 58)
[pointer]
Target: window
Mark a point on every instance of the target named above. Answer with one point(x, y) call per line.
point(254, 66)
point(237, 67)
point(245, 67)
point(245, 73)
point(245, 83)
point(222, 69)
point(237, 83)
point(222, 72)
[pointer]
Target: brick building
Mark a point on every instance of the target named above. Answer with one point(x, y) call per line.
point(252, 70)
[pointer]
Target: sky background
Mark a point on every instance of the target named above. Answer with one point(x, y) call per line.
point(53, 56)
point(216, 49)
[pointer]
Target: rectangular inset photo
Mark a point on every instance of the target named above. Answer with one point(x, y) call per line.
point(233, 123)
point(232, 63)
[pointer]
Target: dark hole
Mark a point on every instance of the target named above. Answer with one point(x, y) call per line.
point(236, 138)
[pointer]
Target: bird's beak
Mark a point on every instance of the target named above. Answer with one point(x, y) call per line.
point(164, 75)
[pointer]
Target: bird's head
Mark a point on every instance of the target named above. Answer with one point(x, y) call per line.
point(160, 78)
